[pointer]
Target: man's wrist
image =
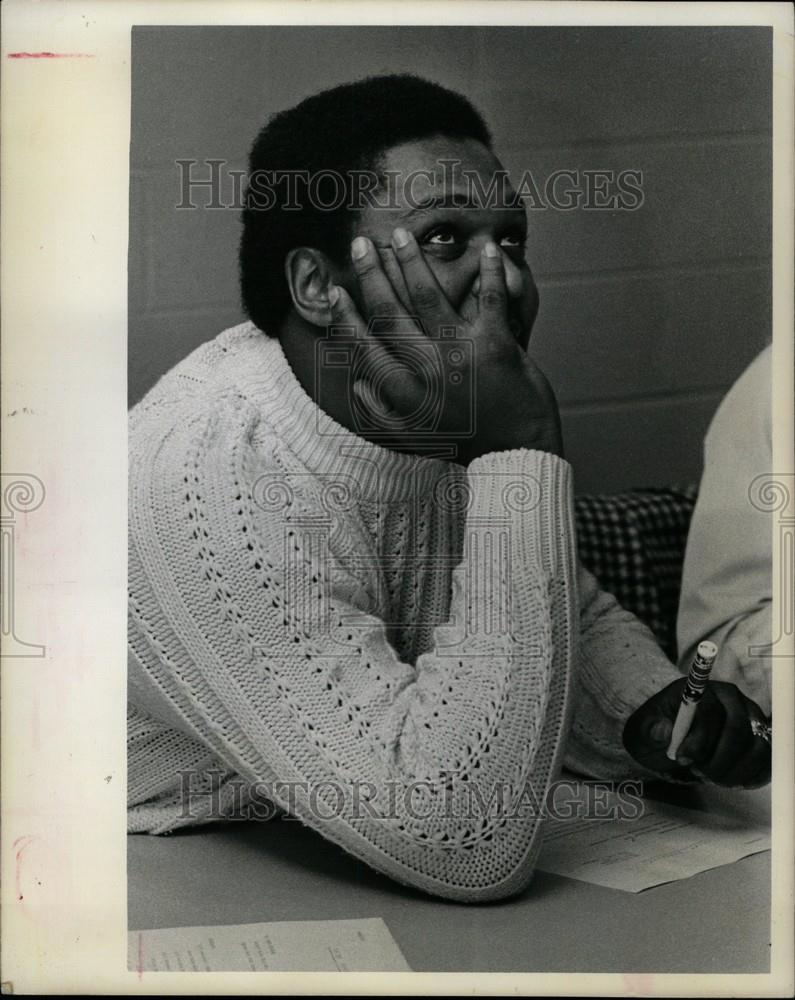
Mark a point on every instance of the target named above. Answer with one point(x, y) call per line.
point(549, 439)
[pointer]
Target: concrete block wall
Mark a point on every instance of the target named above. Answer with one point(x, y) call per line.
point(647, 316)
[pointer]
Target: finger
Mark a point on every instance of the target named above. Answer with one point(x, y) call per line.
point(375, 405)
point(345, 317)
point(493, 295)
point(753, 769)
point(735, 735)
point(391, 267)
point(372, 355)
point(647, 735)
point(660, 733)
point(385, 314)
point(701, 741)
point(427, 297)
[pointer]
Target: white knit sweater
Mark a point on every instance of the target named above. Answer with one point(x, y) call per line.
point(362, 637)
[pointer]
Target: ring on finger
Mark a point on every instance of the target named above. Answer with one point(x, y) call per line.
point(763, 730)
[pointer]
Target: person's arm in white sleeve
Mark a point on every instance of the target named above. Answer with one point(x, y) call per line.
point(630, 693)
point(620, 666)
point(254, 651)
point(726, 593)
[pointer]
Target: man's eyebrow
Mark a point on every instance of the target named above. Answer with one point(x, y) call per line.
point(467, 201)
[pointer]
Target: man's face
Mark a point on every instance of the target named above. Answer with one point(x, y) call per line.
point(450, 228)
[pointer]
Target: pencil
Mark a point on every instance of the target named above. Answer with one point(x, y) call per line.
point(695, 686)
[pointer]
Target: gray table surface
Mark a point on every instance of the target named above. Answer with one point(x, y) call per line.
point(717, 921)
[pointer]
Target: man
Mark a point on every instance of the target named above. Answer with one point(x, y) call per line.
point(353, 582)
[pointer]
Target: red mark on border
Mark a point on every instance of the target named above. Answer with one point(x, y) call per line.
point(19, 846)
point(50, 55)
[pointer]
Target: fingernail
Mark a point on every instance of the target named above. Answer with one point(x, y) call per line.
point(660, 731)
point(359, 248)
point(400, 238)
point(491, 250)
point(333, 295)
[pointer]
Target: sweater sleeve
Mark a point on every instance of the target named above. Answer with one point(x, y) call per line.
point(254, 636)
point(620, 666)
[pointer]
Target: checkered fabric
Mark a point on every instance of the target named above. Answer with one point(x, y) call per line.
point(634, 544)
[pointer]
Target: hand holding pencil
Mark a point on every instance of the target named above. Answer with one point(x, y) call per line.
point(694, 689)
point(696, 729)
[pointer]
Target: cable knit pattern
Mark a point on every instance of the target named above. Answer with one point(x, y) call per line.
point(370, 636)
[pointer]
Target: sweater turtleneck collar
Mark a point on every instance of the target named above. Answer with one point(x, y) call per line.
point(321, 444)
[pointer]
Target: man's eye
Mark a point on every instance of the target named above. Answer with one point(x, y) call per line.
point(514, 241)
point(441, 238)
point(451, 243)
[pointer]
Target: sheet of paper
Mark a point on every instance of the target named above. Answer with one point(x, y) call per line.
point(663, 844)
point(290, 946)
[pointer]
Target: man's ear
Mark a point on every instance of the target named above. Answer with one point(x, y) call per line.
point(309, 277)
